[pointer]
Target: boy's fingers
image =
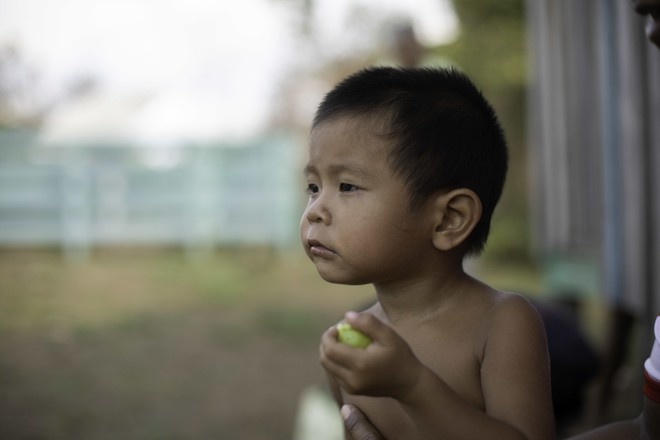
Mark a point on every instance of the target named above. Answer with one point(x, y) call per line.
point(331, 332)
point(335, 367)
point(370, 325)
point(332, 350)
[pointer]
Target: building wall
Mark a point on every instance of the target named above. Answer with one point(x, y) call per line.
point(198, 197)
point(594, 133)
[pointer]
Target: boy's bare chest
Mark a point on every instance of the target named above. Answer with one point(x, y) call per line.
point(453, 354)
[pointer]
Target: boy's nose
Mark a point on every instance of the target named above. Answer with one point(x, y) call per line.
point(318, 212)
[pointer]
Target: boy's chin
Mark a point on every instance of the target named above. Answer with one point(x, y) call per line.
point(345, 279)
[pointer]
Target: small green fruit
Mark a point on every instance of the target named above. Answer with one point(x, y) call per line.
point(349, 336)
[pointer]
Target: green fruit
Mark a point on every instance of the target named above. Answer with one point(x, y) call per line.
point(349, 336)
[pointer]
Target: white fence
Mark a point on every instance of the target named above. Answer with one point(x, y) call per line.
point(195, 197)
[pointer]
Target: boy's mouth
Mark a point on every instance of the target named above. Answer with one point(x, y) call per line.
point(317, 249)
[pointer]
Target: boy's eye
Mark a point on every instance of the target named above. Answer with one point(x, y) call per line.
point(347, 187)
point(312, 188)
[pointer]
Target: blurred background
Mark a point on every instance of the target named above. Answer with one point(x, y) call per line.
point(151, 281)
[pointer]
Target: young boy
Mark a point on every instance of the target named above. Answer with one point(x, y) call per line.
point(405, 169)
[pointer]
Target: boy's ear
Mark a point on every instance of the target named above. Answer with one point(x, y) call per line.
point(456, 213)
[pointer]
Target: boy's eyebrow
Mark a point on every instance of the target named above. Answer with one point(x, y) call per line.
point(309, 169)
point(340, 168)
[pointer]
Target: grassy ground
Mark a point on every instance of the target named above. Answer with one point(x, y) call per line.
point(139, 344)
point(153, 345)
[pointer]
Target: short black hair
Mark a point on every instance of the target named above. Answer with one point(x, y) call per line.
point(444, 134)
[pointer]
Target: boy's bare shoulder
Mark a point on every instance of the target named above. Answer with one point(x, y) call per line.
point(508, 302)
point(511, 308)
point(514, 317)
point(503, 314)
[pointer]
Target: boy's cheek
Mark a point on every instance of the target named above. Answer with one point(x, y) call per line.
point(303, 230)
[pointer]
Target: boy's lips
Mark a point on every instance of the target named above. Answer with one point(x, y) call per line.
point(317, 249)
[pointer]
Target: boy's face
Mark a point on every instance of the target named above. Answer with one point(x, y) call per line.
point(358, 227)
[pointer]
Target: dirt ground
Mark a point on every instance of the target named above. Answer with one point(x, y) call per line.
point(165, 345)
point(155, 346)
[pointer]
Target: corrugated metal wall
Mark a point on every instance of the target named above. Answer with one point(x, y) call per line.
point(594, 133)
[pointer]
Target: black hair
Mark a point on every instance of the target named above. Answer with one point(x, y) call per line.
point(443, 133)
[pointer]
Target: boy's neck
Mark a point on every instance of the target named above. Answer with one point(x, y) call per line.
point(417, 299)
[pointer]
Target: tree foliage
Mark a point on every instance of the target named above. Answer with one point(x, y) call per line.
point(491, 49)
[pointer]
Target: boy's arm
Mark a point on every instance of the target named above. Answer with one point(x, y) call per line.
point(515, 378)
point(515, 373)
point(515, 382)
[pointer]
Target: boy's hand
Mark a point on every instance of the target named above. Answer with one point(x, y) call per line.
point(387, 367)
